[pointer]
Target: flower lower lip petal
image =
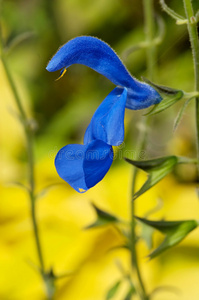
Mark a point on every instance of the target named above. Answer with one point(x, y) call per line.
point(83, 166)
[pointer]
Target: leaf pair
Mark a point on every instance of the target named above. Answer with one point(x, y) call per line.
point(170, 97)
point(174, 231)
point(157, 169)
point(103, 218)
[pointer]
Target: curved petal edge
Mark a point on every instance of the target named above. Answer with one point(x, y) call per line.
point(83, 166)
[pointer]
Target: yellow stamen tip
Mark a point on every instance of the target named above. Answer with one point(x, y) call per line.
point(61, 74)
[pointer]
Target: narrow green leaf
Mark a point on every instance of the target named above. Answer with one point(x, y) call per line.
point(161, 88)
point(103, 218)
point(157, 168)
point(130, 293)
point(111, 293)
point(171, 96)
point(165, 103)
point(175, 232)
point(152, 164)
point(17, 40)
point(180, 114)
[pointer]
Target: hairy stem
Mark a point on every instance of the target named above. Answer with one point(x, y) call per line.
point(171, 12)
point(193, 36)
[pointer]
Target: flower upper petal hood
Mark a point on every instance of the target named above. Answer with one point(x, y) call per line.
point(107, 123)
point(99, 56)
point(83, 166)
point(93, 53)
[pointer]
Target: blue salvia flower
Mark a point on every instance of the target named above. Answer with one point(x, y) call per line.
point(106, 128)
point(83, 166)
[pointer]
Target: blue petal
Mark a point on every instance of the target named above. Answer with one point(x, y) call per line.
point(94, 53)
point(99, 56)
point(107, 123)
point(143, 97)
point(83, 166)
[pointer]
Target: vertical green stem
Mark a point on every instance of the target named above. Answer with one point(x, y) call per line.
point(29, 141)
point(134, 259)
point(29, 133)
point(149, 33)
point(151, 68)
point(29, 136)
point(193, 36)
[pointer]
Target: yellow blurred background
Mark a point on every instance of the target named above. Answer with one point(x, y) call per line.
point(63, 109)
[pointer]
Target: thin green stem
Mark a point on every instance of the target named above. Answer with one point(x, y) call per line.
point(193, 36)
point(29, 133)
point(12, 85)
point(151, 68)
point(171, 12)
point(150, 34)
point(29, 136)
point(29, 141)
point(134, 259)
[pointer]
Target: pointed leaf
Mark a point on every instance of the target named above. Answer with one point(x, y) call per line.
point(165, 103)
point(175, 232)
point(161, 88)
point(103, 218)
point(180, 114)
point(171, 97)
point(111, 293)
point(157, 168)
point(130, 293)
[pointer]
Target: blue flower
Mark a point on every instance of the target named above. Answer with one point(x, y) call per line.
point(83, 166)
point(107, 123)
point(99, 56)
point(106, 128)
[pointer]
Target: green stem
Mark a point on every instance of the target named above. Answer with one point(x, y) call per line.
point(151, 68)
point(193, 36)
point(29, 136)
point(171, 12)
point(150, 33)
point(29, 140)
point(134, 260)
